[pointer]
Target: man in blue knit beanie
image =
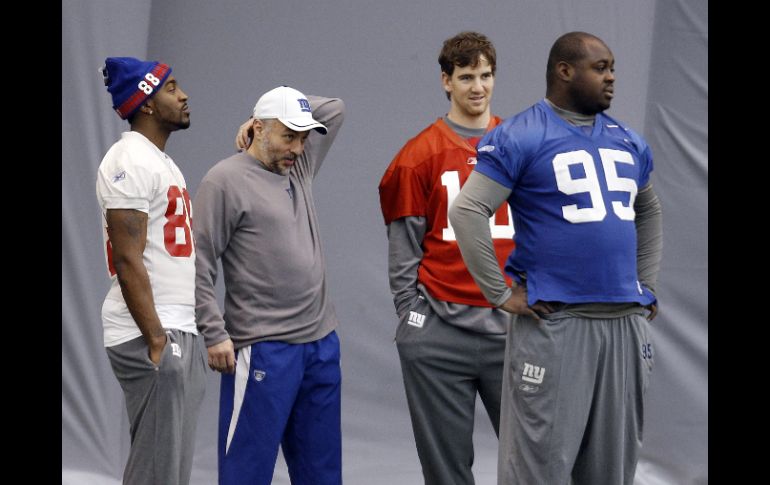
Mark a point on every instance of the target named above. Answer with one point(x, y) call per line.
point(149, 312)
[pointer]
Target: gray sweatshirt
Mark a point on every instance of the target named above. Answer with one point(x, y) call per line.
point(264, 228)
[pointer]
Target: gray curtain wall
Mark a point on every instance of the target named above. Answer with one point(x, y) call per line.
point(676, 436)
point(381, 58)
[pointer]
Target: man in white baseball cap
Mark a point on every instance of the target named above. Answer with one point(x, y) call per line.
point(288, 106)
point(275, 344)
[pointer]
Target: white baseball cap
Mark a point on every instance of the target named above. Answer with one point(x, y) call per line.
point(290, 107)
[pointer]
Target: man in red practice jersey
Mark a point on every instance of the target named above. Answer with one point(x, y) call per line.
point(450, 340)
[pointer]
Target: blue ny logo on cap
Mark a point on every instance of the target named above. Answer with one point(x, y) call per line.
point(304, 105)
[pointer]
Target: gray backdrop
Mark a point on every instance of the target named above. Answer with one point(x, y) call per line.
point(380, 57)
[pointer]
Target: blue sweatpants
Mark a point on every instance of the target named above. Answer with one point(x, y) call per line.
point(282, 394)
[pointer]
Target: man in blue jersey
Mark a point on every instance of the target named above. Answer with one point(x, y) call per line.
point(588, 247)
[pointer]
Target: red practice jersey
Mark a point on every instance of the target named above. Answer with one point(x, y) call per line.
point(423, 180)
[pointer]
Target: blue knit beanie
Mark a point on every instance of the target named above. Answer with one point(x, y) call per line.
point(132, 82)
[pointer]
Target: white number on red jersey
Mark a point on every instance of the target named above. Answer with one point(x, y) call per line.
point(451, 180)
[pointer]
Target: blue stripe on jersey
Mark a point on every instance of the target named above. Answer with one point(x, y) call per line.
point(572, 204)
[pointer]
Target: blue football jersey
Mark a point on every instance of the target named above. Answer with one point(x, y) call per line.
point(572, 203)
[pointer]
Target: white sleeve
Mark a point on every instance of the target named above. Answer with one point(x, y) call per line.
point(123, 184)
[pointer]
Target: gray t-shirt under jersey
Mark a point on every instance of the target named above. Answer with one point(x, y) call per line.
point(264, 228)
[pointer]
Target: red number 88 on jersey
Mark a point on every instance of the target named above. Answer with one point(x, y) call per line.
point(177, 236)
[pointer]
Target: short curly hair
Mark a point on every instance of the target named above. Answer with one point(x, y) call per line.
point(465, 49)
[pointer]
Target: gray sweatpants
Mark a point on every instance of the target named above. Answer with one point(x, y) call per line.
point(572, 402)
point(163, 404)
point(443, 367)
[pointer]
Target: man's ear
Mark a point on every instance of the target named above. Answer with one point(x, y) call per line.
point(564, 71)
point(445, 82)
point(148, 107)
point(258, 127)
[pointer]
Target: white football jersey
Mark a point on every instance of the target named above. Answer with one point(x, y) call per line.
point(135, 174)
